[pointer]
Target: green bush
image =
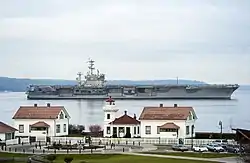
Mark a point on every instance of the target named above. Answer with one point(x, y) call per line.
point(51, 157)
point(40, 159)
point(68, 159)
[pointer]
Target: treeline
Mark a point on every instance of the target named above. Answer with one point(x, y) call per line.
point(20, 85)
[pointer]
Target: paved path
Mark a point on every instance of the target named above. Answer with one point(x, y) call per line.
point(118, 150)
point(221, 160)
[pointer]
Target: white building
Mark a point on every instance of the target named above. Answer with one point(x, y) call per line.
point(41, 121)
point(6, 132)
point(168, 122)
point(119, 126)
point(154, 122)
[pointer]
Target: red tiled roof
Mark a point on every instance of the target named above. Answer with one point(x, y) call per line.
point(38, 112)
point(40, 124)
point(165, 113)
point(125, 120)
point(170, 126)
point(4, 128)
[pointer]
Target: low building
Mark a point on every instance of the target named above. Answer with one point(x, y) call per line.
point(154, 122)
point(168, 122)
point(6, 132)
point(39, 121)
point(123, 126)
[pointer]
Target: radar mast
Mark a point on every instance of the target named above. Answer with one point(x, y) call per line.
point(91, 66)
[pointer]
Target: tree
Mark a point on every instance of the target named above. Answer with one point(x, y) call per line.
point(76, 129)
point(95, 128)
point(68, 159)
point(80, 128)
point(243, 139)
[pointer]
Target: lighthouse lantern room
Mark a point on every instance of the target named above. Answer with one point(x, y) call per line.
point(110, 111)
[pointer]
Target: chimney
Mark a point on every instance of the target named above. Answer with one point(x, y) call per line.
point(175, 105)
point(35, 105)
point(134, 116)
point(48, 104)
point(161, 105)
point(125, 112)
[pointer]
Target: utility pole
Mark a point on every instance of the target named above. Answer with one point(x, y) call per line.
point(220, 124)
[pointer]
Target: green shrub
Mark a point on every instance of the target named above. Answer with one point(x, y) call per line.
point(40, 159)
point(68, 159)
point(51, 157)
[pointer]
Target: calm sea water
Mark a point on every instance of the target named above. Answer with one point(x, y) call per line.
point(233, 113)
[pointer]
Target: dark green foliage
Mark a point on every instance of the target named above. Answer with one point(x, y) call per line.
point(68, 159)
point(39, 158)
point(76, 129)
point(51, 157)
point(211, 135)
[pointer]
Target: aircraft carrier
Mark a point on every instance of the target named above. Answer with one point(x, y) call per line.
point(94, 86)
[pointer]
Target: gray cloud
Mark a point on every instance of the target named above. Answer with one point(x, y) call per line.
point(202, 40)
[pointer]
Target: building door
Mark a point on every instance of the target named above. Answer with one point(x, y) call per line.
point(114, 132)
point(128, 133)
point(127, 129)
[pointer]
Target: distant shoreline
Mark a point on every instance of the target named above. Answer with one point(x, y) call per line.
point(20, 85)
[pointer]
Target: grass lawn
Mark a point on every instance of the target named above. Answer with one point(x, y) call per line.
point(3, 154)
point(110, 158)
point(193, 154)
point(114, 158)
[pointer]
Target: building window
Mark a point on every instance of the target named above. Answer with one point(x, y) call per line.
point(121, 130)
point(187, 130)
point(134, 130)
point(61, 115)
point(57, 128)
point(148, 129)
point(138, 130)
point(108, 130)
point(158, 129)
point(108, 116)
point(64, 128)
point(21, 128)
point(192, 130)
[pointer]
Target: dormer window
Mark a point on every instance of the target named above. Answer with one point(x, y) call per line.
point(61, 115)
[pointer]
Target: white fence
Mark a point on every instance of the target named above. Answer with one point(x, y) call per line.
point(135, 141)
point(128, 141)
point(16, 141)
point(73, 140)
point(11, 142)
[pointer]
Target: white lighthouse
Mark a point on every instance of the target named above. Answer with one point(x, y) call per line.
point(110, 113)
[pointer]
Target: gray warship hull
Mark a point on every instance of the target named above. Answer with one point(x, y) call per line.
point(140, 93)
point(94, 87)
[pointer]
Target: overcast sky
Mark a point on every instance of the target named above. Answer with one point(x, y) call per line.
point(157, 39)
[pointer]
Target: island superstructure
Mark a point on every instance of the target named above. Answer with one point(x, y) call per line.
point(95, 86)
